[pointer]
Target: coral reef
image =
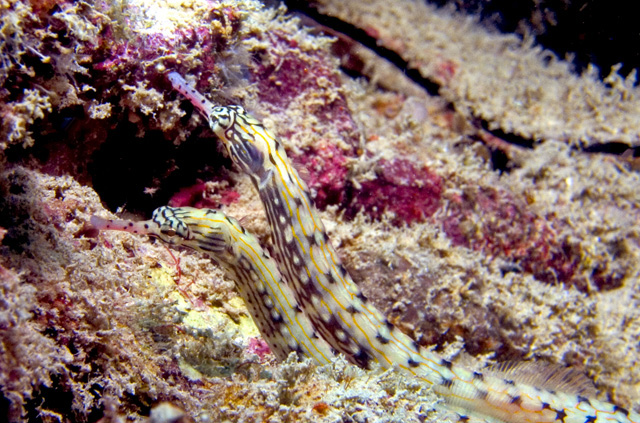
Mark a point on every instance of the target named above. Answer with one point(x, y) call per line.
point(83, 341)
point(536, 260)
point(512, 84)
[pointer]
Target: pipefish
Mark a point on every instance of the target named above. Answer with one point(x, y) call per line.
point(304, 299)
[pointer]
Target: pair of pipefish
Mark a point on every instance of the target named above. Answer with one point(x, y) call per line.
point(303, 299)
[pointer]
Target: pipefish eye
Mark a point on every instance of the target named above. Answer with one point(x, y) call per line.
point(222, 115)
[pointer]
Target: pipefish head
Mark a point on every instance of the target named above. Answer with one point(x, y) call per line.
point(245, 138)
point(172, 228)
point(203, 230)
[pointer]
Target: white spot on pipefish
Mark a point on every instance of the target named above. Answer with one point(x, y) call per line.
point(288, 235)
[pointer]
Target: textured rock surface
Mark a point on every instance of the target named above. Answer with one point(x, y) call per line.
point(538, 262)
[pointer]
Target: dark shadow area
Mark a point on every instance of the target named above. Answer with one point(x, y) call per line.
point(141, 174)
point(57, 398)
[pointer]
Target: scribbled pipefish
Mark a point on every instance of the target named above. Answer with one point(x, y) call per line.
point(322, 291)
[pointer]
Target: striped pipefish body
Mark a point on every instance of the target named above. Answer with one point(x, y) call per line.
point(342, 315)
point(271, 303)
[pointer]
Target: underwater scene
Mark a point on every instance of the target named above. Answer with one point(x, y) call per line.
point(329, 211)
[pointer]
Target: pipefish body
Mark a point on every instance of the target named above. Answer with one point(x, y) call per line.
point(331, 313)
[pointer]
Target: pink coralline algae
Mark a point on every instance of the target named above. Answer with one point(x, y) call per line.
point(197, 196)
point(485, 219)
point(445, 71)
point(325, 173)
point(413, 193)
point(127, 54)
point(499, 224)
point(291, 73)
point(298, 73)
point(259, 347)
